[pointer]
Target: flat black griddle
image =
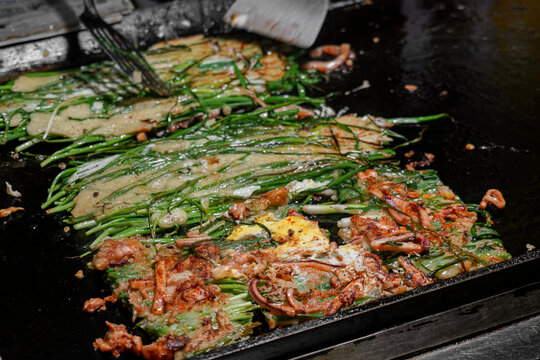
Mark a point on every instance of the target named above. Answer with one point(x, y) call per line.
point(485, 55)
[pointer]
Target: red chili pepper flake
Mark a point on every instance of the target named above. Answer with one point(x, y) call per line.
point(409, 153)
point(411, 88)
point(141, 136)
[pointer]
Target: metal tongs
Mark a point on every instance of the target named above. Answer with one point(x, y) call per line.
point(127, 58)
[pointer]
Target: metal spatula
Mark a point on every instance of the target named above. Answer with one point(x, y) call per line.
point(296, 22)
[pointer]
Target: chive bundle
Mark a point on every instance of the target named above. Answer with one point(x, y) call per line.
point(280, 152)
point(198, 82)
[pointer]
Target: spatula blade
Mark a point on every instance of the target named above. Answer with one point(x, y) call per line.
point(296, 22)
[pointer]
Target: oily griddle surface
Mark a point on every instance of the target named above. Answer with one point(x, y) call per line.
point(485, 56)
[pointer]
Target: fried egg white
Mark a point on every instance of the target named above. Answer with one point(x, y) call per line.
point(298, 236)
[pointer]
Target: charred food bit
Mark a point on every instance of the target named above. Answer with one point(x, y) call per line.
point(494, 197)
point(413, 276)
point(115, 253)
point(342, 54)
point(11, 192)
point(94, 304)
point(8, 211)
point(98, 304)
point(411, 88)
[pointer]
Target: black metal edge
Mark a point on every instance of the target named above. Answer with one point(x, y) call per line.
point(343, 326)
point(431, 332)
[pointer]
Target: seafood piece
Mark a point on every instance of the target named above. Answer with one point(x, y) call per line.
point(342, 53)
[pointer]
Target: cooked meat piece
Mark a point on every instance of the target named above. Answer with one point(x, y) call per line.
point(271, 198)
point(413, 276)
point(94, 304)
point(208, 252)
point(239, 211)
point(118, 340)
point(164, 347)
point(8, 211)
point(117, 252)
